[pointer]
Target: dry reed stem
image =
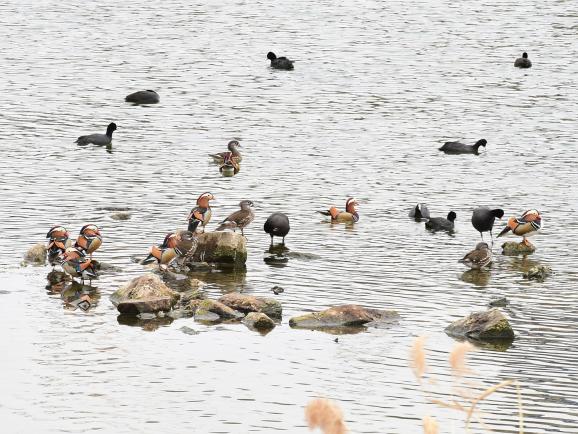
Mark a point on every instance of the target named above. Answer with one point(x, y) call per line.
point(458, 358)
point(417, 358)
point(483, 396)
point(325, 415)
point(430, 425)
point(520, 409)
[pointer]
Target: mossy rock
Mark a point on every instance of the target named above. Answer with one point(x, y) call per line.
point(249, 303)
point(538, 272)
point(203, 307)
point(144, 294)
point(225, 249)
point(258, 321)
point(484, 326)
point(511, 248)
point(348, 315)
point(35, 255)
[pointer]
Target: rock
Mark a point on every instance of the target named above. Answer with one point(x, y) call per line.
point(499, 302)
point(348, 315)
point(36, 255)
point(488, 325)
point(222, 248)
point(192, 294)
point(144, 294)
point(277, 290)
point(258, 321)
point(202, 307)
point(511, 248)
point(55, 277)
point(248, 303)
point(538, 272)
point(120, 215)
point(188, 331)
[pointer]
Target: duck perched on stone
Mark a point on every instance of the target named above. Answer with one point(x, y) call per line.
point(239, 219)
point(528, 224)
point(460, 148)
point(76, 264)
point(419, 212)
point(89, 239)
point(165, 253)
point(233, 152)
point(350, 215)
point(483, 219)
point(277, 225)
point(523, 62)
point(442, 224)
point(200, 215)
point(279, 62)
point(143, 97)
point(98, 139)
point(58, 242)
point(479, 257)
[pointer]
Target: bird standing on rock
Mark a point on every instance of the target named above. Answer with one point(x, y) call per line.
point(76, 264)
point(201, 214)
point(239, 219)
point(57, 244)
point(350, 215)
point(165, 253)
point(98, 139)
point(89, 239)
point(483, 220)
point(528, 224)
point(479, 257)
point(277, 225)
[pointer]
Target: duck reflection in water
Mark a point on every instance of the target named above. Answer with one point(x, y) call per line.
point(476, 277)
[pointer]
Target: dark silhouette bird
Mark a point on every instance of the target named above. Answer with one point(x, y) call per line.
point(460, 148)
point(441, 224)
point(483, 220)
point(239, 219)
point(277, 225)
point(279, 62)
point(420, 212)
point(201, 214)
point(528, 224)
point(350, 215)
point(523, 62)
point(143, 97)
point(98, 139)
point(479, 257)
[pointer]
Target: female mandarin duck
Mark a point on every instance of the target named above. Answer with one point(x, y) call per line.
point(350, 214)
point(233, 152)
point(230, 166)
point(165, 253)
point(57, 244)
point(524, 226)
point(239, 219)
point(89, 239)
point(479, 257)
point(76, 264)
point(201, 214)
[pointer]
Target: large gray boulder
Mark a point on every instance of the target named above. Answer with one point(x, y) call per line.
point(484, 326)
point(348, 315)
point(258, 321)
point(249, 303)
point(227, 249)
point(144, 294)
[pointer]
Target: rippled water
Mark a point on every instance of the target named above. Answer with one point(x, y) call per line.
point(377, 88)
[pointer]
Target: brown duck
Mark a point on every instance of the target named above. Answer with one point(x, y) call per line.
point(479, 257)
point(239, 219)
point(350, 215)
point(233, 147)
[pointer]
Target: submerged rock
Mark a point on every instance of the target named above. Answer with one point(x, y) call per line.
point(36, 254)
point(489, 325)
point(203, 307)
point(499, 302)
point(221, 248)
point(538, 272)
point(120, 215)
point(258, 321)
point(248, 303)
point(144, 294)
point(511, 248)
point(348, 315)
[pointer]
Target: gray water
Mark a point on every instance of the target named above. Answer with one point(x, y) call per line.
point(377, 88)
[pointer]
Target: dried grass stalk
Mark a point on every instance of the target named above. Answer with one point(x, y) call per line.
point(417, 358)
point(325, 415)
point(430, 425)
point(483, 396)
point(458, 358)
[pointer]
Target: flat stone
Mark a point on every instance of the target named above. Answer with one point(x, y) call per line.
point(222, 248)
point(144, 294)
point(121, 215)
point(489, 325)
point(258, 321)
point(201, 307)
point(511, 248)
point(149, 306)
point(249, 303)
point(348, 315)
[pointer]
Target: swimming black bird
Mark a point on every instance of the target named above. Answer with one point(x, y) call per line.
point(279, 62)
point(143, 97)
point(277, 225)
point(523, 62)
point(98, 139)
point(483, 220)
point(460, 148)
point(420, 212)
point(441, 224)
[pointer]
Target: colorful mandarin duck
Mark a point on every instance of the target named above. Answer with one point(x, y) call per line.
point(201, 214)
point(165, 253)
point(479, 257)
point(89, 239)
point(76, 264)
point(232, 153)
point(350, 214)
point(57, 244)
point(527, 225)
point(230, 165)
point(239, 219)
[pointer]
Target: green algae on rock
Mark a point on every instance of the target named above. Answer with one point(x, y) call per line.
point(538, 272)
point(258, 321)
point(488, 325)
point(144, 294)
point(248, 303)
point(512, 248)
point(348, 315)
point(204, 307)
point(226, 249)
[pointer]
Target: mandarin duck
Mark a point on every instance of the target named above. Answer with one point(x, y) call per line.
point(143, 97)
point(233, 151)
point(239, 219)
point(479, 257)
point(524, 226)
point(523, 62)
point(441, 224)
point(89, 239)
point(420, 212)
point(279, 62)
point(98, 139)
point(277, 225)
point(483, 220)
point(165, 253)
point(201, 214)
point(230, 166)
point(58, 242)
point(76, 264)
point(350, 215)
point(460, 148)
